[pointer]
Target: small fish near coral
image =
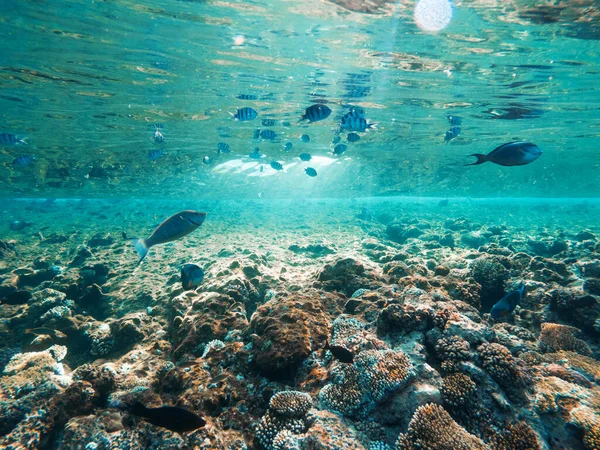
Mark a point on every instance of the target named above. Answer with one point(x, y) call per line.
point(510, 154)
point(172, 418)
point(340, 353)
point(191, 276)
point(507, 304)
point(173, 228)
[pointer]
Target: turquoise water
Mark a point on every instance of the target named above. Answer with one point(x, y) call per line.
point(85, 81)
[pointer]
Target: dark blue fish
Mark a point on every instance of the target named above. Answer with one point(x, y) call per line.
point(317, 112)
point(276, 165)
point(268, 122)
point(454, 121)
point(191, 276)
point(268, 134)
point(23, 160)
point(451, 134)
point(353, 137)
point(10, 139)
point(261, 169)
point(336, 140)
point(223, 147)
point(245, 114)
point(310, 172)
point(158, 136)
point(247, 97)
point(356, 112)
point(207, 160)
point(285, 123)
point(340, 149)
point(18, 225)
point(153, 155)
point(255, 153)
point(353, 123)
point(172, 418)
point(305, 157)
point(305, 138)
point(287, 146)
point(508, 303)
point(511, 154)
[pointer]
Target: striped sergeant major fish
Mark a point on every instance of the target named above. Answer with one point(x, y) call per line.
point(11, 139)
point(245, 114)
point(316, 112)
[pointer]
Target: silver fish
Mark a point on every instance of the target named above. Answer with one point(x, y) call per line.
point(173, 228)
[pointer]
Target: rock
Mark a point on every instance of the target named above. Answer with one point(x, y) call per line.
point(585, 235)
point(400, 232)
point(101, 240)
point(346, 275)
point(313, 250)
point(287, 331)
point(198, 318)
point(592, 285)
point(330, 431)
point(475, 239)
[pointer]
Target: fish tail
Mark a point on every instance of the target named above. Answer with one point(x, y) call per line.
point(23, 141)
point(141, 248)
point(372, 126)
point(480, 159)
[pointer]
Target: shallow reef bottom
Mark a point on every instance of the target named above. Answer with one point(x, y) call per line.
point(400, 291)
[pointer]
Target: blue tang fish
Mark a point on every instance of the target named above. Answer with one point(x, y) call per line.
point(511, 154)
point(507, 304)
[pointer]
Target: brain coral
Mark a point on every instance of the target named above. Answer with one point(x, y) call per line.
point(293, 404)
point(432, 428)
point(555, 337)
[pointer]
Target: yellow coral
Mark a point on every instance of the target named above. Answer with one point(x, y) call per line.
point(555, 337)
point(458, 389)
point(433, 428)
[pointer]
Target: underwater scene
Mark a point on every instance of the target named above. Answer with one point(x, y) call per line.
point(300, 225)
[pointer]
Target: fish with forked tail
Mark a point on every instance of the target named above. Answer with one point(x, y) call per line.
point(510, 154)
point(173, 228)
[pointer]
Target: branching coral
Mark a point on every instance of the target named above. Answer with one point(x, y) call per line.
point(433, 428)
point(458, 390)
point(285, 418)
point(555, 337)
point(519, 436)
point(501, 365)
point(453, 348)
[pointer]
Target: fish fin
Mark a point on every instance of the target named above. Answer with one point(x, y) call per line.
point(140, 248)
point(23, 141)
point(480, 159)
point(231, 114)
point(372, 126)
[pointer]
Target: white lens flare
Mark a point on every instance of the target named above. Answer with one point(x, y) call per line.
point(433, 15)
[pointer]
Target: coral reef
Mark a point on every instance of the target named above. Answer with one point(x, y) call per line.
point(328, 338)
point(433, 428)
